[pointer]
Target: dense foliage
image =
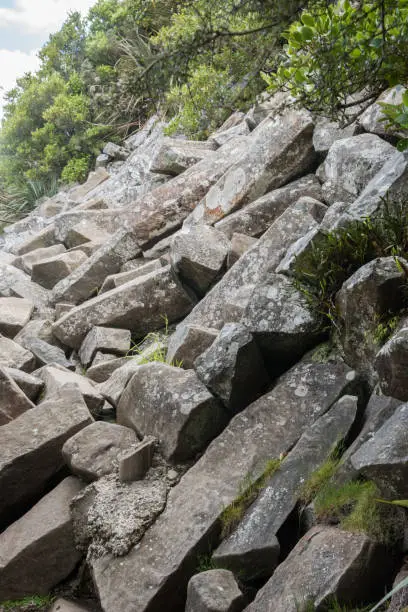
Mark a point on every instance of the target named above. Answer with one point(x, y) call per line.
point(196, 60)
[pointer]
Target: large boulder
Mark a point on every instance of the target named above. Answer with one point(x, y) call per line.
point(139, 305)
point(350, 165)
point(326, 564)
point(373, 119)
point(187, 343)
point(13, 400)
point(26, 262)
point(38, 551)
point(31, 447)
point(176, 156)
point(280, 149)
point(391, 365)
point(214, 591)
point(14, 315)
point(232, 368)
point(49, 272)
point(104, 339)
point(153, 576)
point(55, 377)
point(174, 406)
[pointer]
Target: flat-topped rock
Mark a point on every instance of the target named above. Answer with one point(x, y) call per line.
point(14, 314)
point(26, 262)
point(38, 551)
point(13, 355)
point(154, 575)
point(56, 377)
point(116, 280)
point(187, 343)
point(104, 339)
point(214, 591)
point(49, 272)
point(175, 156)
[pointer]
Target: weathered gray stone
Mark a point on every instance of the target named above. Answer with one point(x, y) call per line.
point(15, 283)
point(13, 355)
point(135, 463)
point(37, 328)
point(327, 132)
point(104, 219)
point(176, 156)
point(94, 179)
point(89, 276)
point(61, 308)
point(350, 165)
point(103, 369)
point(14, 314)
point(116, 280)
point(139, 306)
point(391, 365)
point(233, 368)
point(280, 149)
point(252, 550)
point(13, 401)
point(102, 161)
point(255, 218)
point(326, 564)
point(116, 341)
point(86, 231)
point(384, 457)
point(268, 104)
point(281, 321)
point(237, 284)
point(29, 384)
point(221, 137)
point(94, 451)
point(38, 551)
point(214, 591)
point(46, 353)
point(199, 257)
point(187, 343)
point(42, 239)
point(26, 262)
point(56, 377)
point(114, 151)
point(31, 447)
point(49, 272)
point(373, 119)
point(168, 556)
point(172, 405)
point(240, 243)
point(375, 290)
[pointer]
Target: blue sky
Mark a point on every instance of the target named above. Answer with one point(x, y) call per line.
point(25, 26)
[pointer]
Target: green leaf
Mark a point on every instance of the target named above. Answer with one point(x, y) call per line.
point(355, 53)
point(405, 98)
point(308, 20)
point(401, 585)
point(398, 502)
point(307, 33)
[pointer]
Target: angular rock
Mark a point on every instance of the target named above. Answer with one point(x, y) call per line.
point(199, 256)
point(189, 342)
point(89, 276)
point(114, 151)
point(94, 179)
point(46, 353)
point(372, 120)
point(38, 551)
point(384, 457)
point(214, 591)
point(135, 463)
point(15, 283)
point(13, 401)
point(37, 328)
point(172, 405)
point(56, 377)
point(255, 218)
point(391, 365)
point(94, 451)
point(375, 290)
point(139, 306)
point(27, 261)
point(280, 149)
point(49, 272)
point(61, 308)
point(31, 447)
point(42, 239)
point(237, 284)
point(29, 384)
point(168, 556)
point(350, 165)
point(102, 161)
point(101, 370)
point(233, 368)
point(116, 341)
point(176, 156)
point(86, 231)
point(327, 132)
point(102, 219)
point(252, 550)
point(13, 355)
point(221, 137)
point(116, 280)
point(240, 244)
point(281, 321)
point(14, 314)
point(268, 105)
point(326, 564)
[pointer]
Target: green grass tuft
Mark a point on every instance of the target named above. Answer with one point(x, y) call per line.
point(34, 602)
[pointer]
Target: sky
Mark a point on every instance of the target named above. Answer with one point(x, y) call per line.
point(25, 26)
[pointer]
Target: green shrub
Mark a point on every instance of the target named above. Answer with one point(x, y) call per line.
point(396, 116)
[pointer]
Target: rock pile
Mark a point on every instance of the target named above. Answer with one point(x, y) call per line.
point(171, 425)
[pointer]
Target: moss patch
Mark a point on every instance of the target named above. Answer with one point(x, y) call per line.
point(34, 603)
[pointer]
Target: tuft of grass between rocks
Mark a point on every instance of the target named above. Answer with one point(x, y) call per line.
point(333, 606)
point(34, 603)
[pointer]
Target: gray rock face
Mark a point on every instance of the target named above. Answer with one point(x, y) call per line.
point(252, 549)
point(29, 384)
point(372, 120)
point(384, 457)
point(49, 272)
point(13, 401)
point(238, 283)
point(280, 149)
point(56, 377)
point(391, 365)
point(31, 446)
point(328, 132)
point(94, 451)
point(13, 355)
point(114, 151)
point(255, 218)
point(26, 262)
point(199, 257)
point(350, 165)
point(281, 321)
point(116, 280)
point(94, 179)
point(371, 292)
point(214, 591)
point(327, 563)
point(102, 369)
point(14, 314)
point(267, 428)
point(139, 306)
point(232, 367)
point(84, 219)
point(222, 136)
point(85, 280)
point(240, 244)
point(172, 405)
point(86, 232)
point(42, 239)
point(116, 341)
point(187, 343)
point(176, 156)
point(46, 353)
point(38, 551)
point(15, 283)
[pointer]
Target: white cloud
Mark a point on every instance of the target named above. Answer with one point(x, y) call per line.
point(13, 65)
point(41, 16)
